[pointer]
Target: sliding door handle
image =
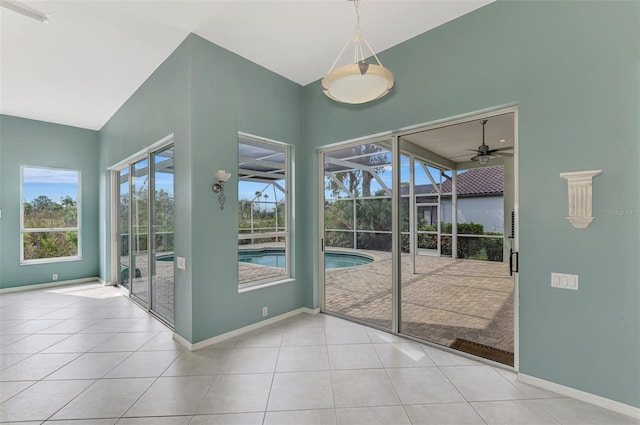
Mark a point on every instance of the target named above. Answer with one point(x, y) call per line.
point(514, 264)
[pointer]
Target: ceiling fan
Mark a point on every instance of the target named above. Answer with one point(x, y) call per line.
point(484, 153)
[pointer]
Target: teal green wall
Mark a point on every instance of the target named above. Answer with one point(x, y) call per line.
point(231, 94)
point(573, 69)
point(160, 107)
point(204, 95)
point(29, 142)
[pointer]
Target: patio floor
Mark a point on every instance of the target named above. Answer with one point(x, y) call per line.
point(163, 284)
point(445, 299)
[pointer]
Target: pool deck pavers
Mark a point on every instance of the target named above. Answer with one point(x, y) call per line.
point(445, 299)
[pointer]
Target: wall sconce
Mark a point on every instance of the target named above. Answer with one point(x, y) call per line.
point(222, 176)
point(580, 197)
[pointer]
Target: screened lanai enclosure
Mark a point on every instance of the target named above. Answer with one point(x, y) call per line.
point(263, 254)
point(454, 234)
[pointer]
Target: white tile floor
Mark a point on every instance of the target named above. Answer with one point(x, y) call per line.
point(85, 355)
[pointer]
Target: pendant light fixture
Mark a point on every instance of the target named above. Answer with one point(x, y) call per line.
point(484, 153)
point(359, 82)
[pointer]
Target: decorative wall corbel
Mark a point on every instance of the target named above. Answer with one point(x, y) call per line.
point(580, 197)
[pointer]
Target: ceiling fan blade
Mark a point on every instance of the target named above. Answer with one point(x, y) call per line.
point(472, 150)
point(505, 154)
point(506, 148)
point(475, 158)
point(459, 156)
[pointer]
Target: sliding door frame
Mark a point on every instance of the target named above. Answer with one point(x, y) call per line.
point(393, 142)
point(394, 138)
point(114, 170)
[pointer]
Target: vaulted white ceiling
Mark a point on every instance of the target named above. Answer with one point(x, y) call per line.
point(79, 68)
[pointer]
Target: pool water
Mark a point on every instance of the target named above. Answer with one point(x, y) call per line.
point(276, 258)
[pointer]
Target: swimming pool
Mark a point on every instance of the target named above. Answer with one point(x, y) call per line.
point(276, 258)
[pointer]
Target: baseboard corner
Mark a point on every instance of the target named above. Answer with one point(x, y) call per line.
point(596, 400)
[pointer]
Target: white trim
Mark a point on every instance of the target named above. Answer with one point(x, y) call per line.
point(516, 237)
point(141, 154)
point(263, 283)
point(319, 277)
point(253, 138)
point(596, 400)
point(77, 228)
point(114, 229)
point(240, 331)
point(278, 148)
point(51, 284)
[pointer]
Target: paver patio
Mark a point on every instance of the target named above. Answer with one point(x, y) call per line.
point(445, 299)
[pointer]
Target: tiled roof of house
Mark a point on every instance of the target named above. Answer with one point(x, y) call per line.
point(478, 181)
point(474, 182)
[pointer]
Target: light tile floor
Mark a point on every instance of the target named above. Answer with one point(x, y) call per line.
point(85, 355)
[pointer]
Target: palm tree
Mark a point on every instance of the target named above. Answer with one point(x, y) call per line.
point(265, 196)
point(257, 193)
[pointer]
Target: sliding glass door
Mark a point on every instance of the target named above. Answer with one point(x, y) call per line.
point(123, 227)
point(432, 260)
point(139, 270)
point(357, 233)
point(162, 213)
point(145, 231)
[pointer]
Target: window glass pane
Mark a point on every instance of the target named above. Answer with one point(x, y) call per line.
point(41, 245)
point(123, 220)
point(50, 198)
point(162, 215)
point(262, 211)
point(50, 204)
point(357, 231)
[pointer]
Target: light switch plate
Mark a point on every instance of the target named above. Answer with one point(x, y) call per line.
point(564, 281)
point(181, 262)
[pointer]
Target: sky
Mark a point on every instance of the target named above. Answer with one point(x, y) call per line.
point(53, 183)
point(247, 192)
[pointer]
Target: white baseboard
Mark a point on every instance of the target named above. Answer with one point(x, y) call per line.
point(182, 341)
point(105, 283)
point(596, 400)
point(240, 331)
point(51, 284)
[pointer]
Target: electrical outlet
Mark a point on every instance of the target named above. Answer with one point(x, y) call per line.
point(564, 281)
point(54, 276)
point(265, 311)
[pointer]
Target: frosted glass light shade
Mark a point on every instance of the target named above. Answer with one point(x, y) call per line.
point(222, 176)
point(357, 84)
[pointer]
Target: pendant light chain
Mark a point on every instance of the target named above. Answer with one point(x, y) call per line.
point(356, 33)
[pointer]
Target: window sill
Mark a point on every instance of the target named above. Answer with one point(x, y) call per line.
point(265, 285)
point(49, 260)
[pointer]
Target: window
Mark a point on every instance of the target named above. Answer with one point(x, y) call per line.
point(50, 219)
point(263, 211)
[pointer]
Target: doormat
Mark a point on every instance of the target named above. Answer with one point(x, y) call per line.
point(484, 351)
